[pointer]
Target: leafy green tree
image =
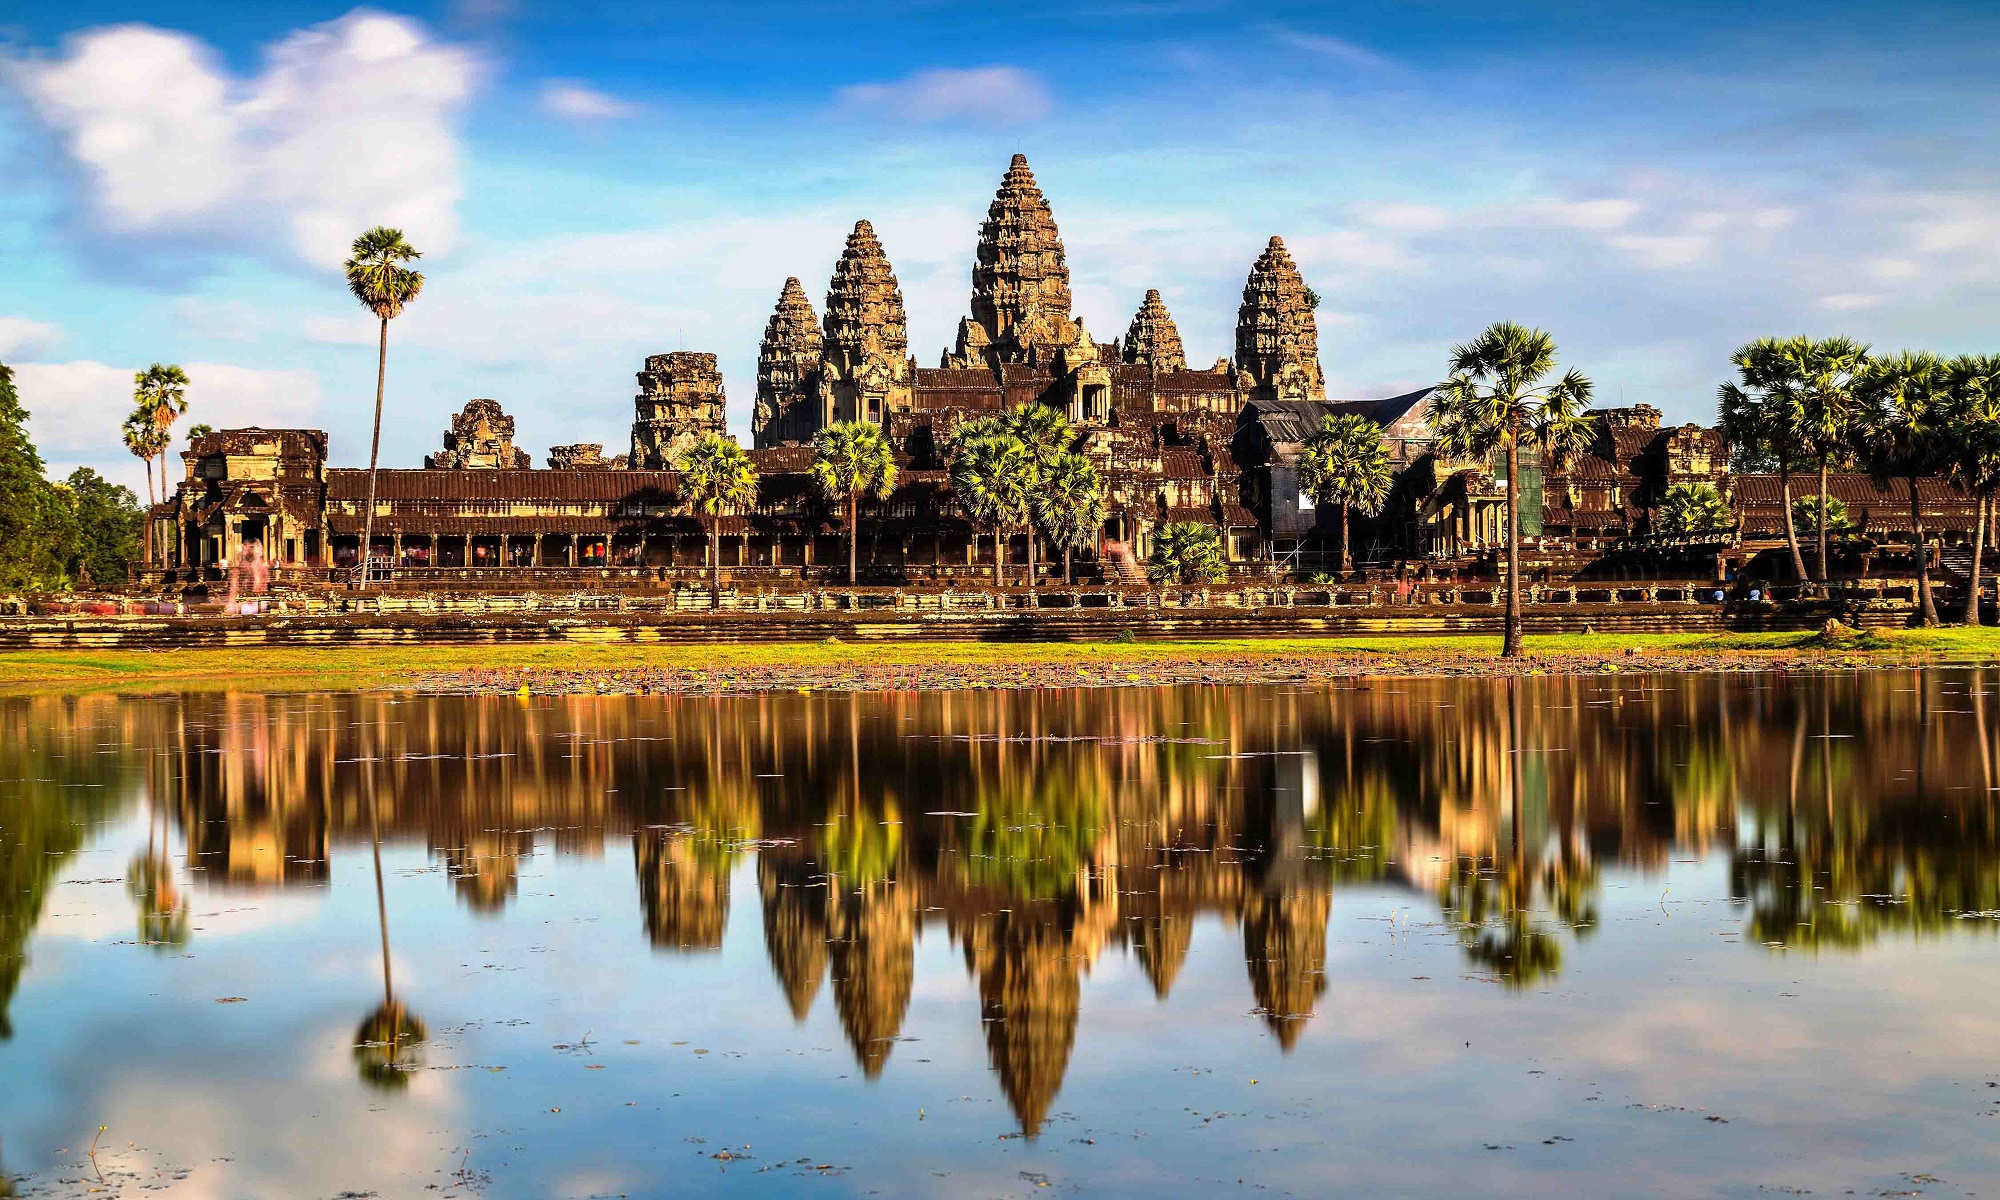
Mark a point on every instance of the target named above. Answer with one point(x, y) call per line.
point(1046, 434)
point(1499, 396)
point(852, 459)
point(1186, 552)
point(1763, 415)
point(35, 516)
point(1973, 452)
point(1806, 510)
point(1903, 434)
point(716, 478)
point(1692, 508)
point(377, 277)
point(1346, 462)
point(160, 392)
point(107, 528)
point(1068, 504)
point(993, 478)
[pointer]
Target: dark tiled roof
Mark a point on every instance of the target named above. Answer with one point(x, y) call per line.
point(528, 487)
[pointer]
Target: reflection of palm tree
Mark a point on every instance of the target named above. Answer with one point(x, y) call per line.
point(163, 910)
point(387, 1046)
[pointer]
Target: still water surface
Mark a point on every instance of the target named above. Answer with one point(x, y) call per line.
point(1726, 935)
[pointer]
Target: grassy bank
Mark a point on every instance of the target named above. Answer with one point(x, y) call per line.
point(951, 664)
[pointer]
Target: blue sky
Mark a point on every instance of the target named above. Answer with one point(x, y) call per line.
point(594, 182)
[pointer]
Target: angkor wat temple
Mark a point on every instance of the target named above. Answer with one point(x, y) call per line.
point(1215, 445)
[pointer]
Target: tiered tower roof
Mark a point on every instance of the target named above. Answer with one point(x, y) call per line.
point(864, 303)
point(1153, 340)
point(1277, 340)
point(1020, 280)
point(788, 355)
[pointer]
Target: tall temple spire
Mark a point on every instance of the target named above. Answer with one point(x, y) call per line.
point(1277, 340)
point(865, 355)
point(1153, 340)
point(787, 363)
point(1020, 281)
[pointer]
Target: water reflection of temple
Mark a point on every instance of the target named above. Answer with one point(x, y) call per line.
point(1040, 831)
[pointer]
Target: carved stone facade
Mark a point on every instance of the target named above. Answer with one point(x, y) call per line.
point(1020, 281)
point(1152, 340)
point(788, 363)
point(865, 366)
point(583, 456)
point(680, 402)
point(481, 438)
point(1277, 340)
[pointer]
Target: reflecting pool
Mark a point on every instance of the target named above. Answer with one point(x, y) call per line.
point(1628, 935)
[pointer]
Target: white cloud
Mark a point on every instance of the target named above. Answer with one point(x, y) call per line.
point(1849, 301)
point(348, 124)
point(76, 407)
point(20, 335)
point(575, 102)
point(986, 95)
point(1663, 251)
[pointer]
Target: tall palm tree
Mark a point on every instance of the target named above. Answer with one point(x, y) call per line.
point(146, 440)
point(1346, 462)
point(387, 1045)
point(1825, 370)
point(716, 478)
point(1499, 396)
point(377, 277)
point(992, 478)
point(1973, 445)
point(852, 459)
point(1046, 434)
point(1902, 434)
point(1765, 412)
point(161, 391)
point(1068, 503)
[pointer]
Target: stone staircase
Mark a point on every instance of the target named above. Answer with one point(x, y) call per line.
point(1123, 568)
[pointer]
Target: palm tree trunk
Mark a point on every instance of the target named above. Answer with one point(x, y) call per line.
point(1821, 522)
point(853, 535)
point(714, 563)
point(1791, 526)
point(150, 502)
point(999, 556)
point(1510, 643)
point(1971, 616)
point(1346, 559)
point(1031, 556)
point(374, 450)
point(1926, 605)
point(1069, 574)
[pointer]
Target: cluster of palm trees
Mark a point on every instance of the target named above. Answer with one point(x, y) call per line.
point(1818, 404)
point(159, 398)
point(1021, 472)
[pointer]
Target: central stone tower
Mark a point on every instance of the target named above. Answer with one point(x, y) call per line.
point(1020, 280)
point(865, 356)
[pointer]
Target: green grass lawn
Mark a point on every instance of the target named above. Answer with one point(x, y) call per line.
point(292, 668)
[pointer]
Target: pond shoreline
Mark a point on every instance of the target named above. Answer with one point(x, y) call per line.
point(873, 667)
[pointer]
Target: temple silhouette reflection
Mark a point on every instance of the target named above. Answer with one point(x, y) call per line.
point(1041, 831)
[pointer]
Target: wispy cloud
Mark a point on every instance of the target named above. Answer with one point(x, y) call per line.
point(573, 101)
point(998, 95)
point(21, 335)
point(1340, 50)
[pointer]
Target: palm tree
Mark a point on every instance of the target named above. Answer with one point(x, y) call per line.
point(1825, 370)
point(377, 277)
point(1973, 445)
point(1495, 399)
point(199, 430)
point(1902, 434)
point(1765, 412)
point(992, 477)
point(852, 459)
point(387, 1043)
point(1068, 503)
point(1186, 552)
point(160, 391)
point(1345, 462)
point(145, 439)
point(1692, 508)
point(716, 477)
point(1046, 434)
